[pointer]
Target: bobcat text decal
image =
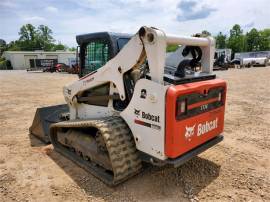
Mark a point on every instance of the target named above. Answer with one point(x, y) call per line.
point(147, 116)
point(150, 117)
point(202, 128)
point(207, 126)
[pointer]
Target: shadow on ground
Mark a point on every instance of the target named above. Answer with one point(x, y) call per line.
point(187, 180)
point(35, 72)
point(35, 142)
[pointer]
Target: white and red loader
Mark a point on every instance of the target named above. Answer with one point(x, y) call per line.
point(132, 104)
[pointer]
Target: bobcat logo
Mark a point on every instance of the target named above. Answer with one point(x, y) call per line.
point(137, 112)
point(189, 131)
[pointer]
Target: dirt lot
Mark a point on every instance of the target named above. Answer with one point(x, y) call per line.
point(235, 170)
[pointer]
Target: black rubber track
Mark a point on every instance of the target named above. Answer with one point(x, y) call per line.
point(119, 142)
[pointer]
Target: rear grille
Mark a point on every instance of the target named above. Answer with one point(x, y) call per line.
point(197, 103)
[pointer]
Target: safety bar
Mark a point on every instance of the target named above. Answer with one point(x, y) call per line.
point(186, 40)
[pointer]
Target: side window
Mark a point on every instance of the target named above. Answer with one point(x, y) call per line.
point(96, 55)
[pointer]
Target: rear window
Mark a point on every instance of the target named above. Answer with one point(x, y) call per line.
point(96, 55)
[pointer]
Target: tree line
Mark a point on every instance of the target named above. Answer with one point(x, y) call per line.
point(238, 41)
point(34, 38)
point(40, 38)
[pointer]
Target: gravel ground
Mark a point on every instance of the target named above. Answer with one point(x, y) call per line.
point(235, 170)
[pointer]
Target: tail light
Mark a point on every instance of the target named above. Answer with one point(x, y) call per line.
point(181, 107)
point(196, 103)
point(219, 96)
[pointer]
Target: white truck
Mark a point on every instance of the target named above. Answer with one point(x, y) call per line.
point(249, 62)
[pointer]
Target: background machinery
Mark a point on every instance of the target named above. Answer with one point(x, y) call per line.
point(222, 59)
point(132, 104)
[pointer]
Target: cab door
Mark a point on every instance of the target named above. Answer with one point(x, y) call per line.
point(94, 55)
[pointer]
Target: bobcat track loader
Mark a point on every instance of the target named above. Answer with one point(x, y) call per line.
point(133, 104)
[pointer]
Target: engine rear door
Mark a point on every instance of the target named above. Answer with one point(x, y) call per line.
point(194, 115)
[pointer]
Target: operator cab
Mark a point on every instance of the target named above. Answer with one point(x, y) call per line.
point(98, 48)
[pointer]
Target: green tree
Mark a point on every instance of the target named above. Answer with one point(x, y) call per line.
point(32, 38)
point(72, 49)
point(3, 46)
point(59, 46)
point(28, 37)
point(2, 43)
point(14, 46)
point(253, 40)
point(45, 39)
point(27, 33)
point(205, 33)
point(236, 39)
point(221, 40)
point(265, 39)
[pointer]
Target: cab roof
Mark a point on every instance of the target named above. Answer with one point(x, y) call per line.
point(112, 36)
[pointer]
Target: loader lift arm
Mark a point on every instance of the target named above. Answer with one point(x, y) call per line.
point(148, 43)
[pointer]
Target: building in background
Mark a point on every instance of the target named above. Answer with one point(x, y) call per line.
point(21, 59)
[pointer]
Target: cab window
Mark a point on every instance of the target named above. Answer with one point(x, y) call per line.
point(96, 55)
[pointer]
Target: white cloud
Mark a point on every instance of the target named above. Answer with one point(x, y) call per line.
point(85, 16)
point(51, 9)
point(128, 16)
point(8, 4)
point(34, 19)
point(193, 10)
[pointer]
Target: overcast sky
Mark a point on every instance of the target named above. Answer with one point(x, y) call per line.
point(68, 18)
